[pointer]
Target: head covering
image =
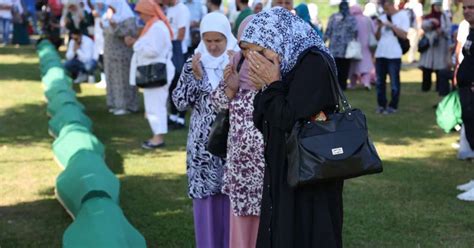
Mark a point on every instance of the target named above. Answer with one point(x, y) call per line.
point(303, 12)
point(102, 11)
point(254, 4)
point(122, 10)
point(86, 6)
point(434, 14)
point(77, 15)
point(356, 10)
point(150, 7)
point(214, 66)
point(244, 79)
point(279, 30)
point(344, 8)
point(439, 2)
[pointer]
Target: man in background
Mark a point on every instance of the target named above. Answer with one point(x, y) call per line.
point(180, 19)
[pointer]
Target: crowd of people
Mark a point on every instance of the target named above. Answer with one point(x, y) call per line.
point(258, 63)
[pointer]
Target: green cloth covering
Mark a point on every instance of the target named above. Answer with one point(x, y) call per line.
point(68, 114)
point(56, 75)
point(62, 98)
point(243, 14)
point(101, 223)
point(54, 90)
point(86, 176)
point(448, 113)
point(74, 138)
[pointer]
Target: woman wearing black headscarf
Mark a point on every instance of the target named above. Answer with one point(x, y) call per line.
point(288, 58)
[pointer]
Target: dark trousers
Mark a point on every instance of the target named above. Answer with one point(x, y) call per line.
point(75, 66)
point(343, 66)
point(442, 80)
point(178, 62)
point(391, 67)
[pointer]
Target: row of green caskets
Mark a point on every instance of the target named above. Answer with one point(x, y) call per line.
point(86, 187)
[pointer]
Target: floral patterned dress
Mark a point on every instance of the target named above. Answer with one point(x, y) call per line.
point(244, 169)
point(205, 171)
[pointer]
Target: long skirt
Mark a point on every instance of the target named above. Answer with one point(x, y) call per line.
point(20, 34)
point(211, 221)
point(243, 231)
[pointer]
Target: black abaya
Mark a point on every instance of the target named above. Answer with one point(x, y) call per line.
point(309, 216)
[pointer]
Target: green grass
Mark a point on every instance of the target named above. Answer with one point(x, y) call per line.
point(412, 204)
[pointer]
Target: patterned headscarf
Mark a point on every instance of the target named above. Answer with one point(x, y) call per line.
point(286, 34)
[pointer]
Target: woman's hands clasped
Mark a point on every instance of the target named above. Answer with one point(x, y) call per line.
point(263, 70)
point(196, 65)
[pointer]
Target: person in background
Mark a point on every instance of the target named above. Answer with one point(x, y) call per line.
point(244, 168)
point(122, 98)
point(80, 61)
point(465, 81)
point(290, 64)
point(153, 46)
point(245, 10)
point(360, 69)
point(213, 5)
point(342, 28)
point(51, 18)
point(5, 20)
point(20, 24)
point(414, 31)
point(286, 4)
point(30, 8)
point(77, 17)
point(303, 12)
point(437, 28)
point(196, 11)
point(179, 17)
point(392, 25)
point(99, 11)
point(201, 75)
point(257, 6)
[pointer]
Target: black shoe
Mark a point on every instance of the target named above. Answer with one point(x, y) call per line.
point(175, 126)
point(150, 146)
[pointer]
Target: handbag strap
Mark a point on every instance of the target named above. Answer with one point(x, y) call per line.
point(342, 104)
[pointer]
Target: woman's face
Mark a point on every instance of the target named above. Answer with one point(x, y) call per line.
point(72, 8)
point(215, 43)
point(267, 53)
point(258, 8)
point(145, 17)
point(437, 7)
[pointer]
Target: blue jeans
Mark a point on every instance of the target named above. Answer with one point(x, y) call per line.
point(5, 26)
point(391, 67)
point(75, 66)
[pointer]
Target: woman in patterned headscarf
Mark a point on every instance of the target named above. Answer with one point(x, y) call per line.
point(288, 58)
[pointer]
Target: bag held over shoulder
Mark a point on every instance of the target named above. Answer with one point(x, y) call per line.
point(335, 149)
point(151, 76)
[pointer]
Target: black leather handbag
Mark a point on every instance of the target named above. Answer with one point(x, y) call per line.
point(335, 149)
point(423, 44)
point(217, 143)
point(151, 76)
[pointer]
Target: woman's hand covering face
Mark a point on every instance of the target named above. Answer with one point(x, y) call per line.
point(263, 69)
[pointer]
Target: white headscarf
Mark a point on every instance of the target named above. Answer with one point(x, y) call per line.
point(214, 66)
point(122, 10)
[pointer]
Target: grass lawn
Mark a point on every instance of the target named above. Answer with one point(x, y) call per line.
point(412, 204)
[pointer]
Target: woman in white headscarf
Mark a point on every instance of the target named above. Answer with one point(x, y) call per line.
point(122, 98)
point(201, 76)
point(77, 18)
point(99, 11)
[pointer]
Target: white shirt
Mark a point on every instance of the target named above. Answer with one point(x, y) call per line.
point(463, 32)
point(153, 47)
point(179, 17)
point(388, 46)
point(86, 51)
point(7, 14)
